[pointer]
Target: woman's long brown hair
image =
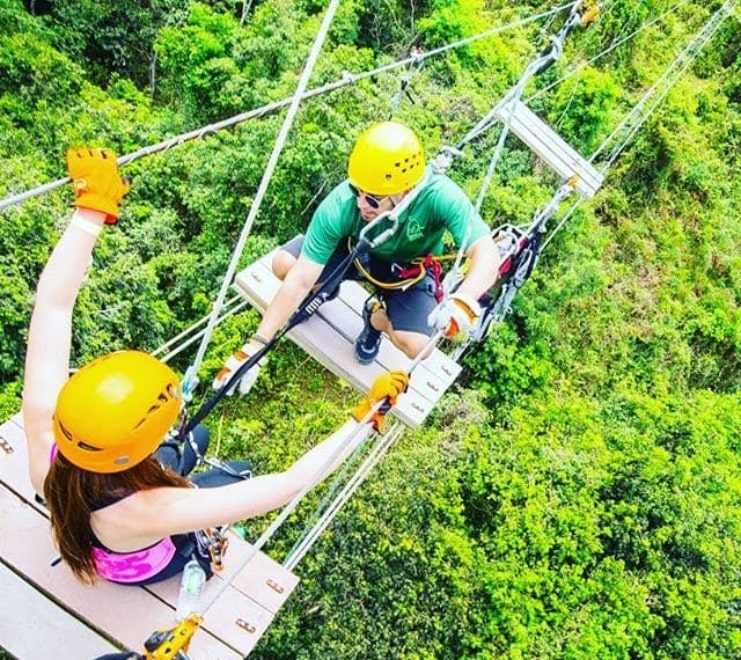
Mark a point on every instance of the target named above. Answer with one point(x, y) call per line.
point(72, 494)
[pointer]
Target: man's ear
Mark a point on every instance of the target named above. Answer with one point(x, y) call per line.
point(396, 199)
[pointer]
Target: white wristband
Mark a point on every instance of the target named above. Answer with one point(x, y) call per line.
point(86, 226)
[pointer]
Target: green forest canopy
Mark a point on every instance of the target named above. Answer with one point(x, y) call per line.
point(578, 494)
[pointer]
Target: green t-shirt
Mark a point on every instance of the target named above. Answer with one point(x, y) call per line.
point(439, 207)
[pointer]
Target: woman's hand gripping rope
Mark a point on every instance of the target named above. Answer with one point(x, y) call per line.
point(384, 390)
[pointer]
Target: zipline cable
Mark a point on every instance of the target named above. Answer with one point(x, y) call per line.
point(615, 44)
point(651, 99)
point(347, 79)
point(191, 375)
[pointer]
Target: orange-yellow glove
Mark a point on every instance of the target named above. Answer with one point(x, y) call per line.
point(96, 181)
point(387, 387)
point(456, 316)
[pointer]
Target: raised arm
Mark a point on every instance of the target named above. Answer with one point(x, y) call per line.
point(99, 190)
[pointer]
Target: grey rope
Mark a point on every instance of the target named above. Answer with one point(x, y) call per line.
point(191, 378)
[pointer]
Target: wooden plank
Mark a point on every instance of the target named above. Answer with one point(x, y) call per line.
point(234, 622)
point(128, 615)
point(32, 624)
point(329, 336)
point(551, 147)
point(14, 461)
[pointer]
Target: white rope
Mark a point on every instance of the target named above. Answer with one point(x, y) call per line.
point(651, 99)
point(346, 79)
point(377, 452)
point(260, 194)
point(658, 91)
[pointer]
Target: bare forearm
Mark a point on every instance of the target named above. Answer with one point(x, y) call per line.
point(484, 268)
point(63, 274)
point(289, 296)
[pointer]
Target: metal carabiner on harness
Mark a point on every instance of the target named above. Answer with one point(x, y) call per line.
point(213, 543)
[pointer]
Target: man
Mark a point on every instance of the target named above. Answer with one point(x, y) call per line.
point(385, 165)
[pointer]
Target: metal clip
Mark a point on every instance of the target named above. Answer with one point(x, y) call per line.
point(6, 446)
point(274, 586)
point(244, 625)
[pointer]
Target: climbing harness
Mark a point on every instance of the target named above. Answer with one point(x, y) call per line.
point(404, 275)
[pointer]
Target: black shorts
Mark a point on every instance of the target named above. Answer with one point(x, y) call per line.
point(408, 309)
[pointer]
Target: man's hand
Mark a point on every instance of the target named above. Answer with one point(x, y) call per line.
point(387, 387)
point(232, 364)
point(456, 316)
point(96, 181)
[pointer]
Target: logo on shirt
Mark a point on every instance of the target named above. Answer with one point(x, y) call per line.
point(414, 230)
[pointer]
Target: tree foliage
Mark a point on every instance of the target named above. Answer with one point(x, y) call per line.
point(577, 494)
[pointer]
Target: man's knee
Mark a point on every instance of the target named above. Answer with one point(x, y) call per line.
point(412, 344)
point(282, 262)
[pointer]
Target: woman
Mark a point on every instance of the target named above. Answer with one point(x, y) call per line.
point(116, 511)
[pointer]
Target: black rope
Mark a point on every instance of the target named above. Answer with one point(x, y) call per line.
point(308, 306)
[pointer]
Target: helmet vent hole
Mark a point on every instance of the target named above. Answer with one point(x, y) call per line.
point(86, 447)
point(65, 431)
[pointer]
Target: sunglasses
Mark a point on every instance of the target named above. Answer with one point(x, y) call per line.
point(373, 201)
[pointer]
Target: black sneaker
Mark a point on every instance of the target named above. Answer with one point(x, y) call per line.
point(369, 340)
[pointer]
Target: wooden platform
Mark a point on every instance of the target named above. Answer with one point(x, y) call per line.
point(329, 336)
point(47, 613)
point(551, 147)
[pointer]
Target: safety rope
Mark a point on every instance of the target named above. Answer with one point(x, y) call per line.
point(191, 375)
point(651, 99)
point(347, 78)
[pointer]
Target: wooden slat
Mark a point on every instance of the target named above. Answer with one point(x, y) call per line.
point(232, 625)
point(551, 147)
point(31, 624)
point(128, 615)
point(329, 336)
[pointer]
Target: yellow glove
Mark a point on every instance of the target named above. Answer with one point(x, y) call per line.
point(96, 181)
point(387, 387)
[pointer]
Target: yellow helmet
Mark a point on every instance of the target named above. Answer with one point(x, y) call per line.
point(387, 159)
point(115, 411)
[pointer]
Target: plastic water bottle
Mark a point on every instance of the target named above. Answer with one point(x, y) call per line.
point(190, 598)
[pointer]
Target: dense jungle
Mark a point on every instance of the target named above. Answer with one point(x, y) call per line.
point(577, 493)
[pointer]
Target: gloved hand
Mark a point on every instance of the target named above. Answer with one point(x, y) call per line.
point(387, 387)
point(232, 364)
point(96, 181)
point(456, 315)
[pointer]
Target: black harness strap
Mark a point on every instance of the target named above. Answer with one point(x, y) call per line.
point(308, 306)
